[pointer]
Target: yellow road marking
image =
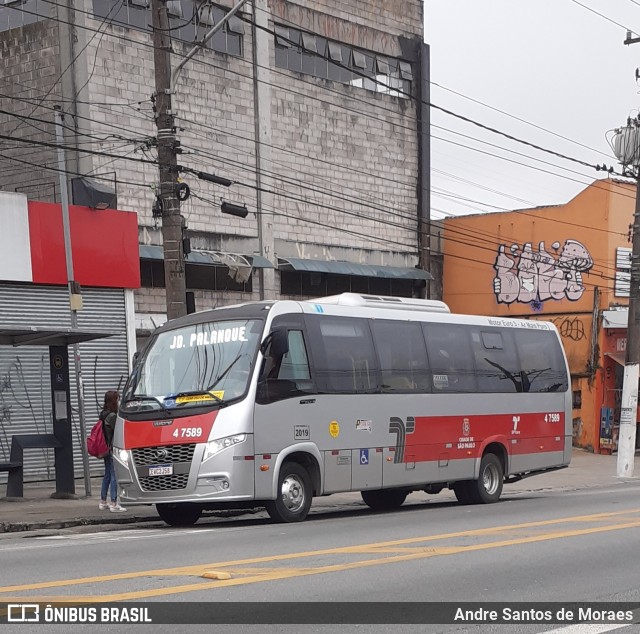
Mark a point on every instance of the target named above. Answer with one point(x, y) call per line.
point(272, 574)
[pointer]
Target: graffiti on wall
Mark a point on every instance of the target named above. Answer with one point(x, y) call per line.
point(23, 400)
point(16, 399)
point(533, 277)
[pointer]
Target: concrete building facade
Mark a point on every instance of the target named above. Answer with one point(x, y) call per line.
point(312, 109)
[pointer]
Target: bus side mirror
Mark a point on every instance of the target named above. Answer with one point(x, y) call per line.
point(136, 356)
point(277, 342)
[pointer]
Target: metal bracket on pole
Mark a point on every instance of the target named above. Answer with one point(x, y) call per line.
point(205, 39)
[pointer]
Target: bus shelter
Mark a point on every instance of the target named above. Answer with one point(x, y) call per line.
point(61, 440)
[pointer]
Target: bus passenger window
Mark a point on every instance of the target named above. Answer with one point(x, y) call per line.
point(343, 354)
point(542, 361)
point(402, 355)
point(497, 367)
point(450, 357)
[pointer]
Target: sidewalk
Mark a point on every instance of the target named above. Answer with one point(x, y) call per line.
point(38, 510)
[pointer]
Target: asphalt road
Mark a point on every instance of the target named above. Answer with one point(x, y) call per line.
point(545, 547)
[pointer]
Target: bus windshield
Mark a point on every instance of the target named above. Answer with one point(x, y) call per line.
point(203, 364)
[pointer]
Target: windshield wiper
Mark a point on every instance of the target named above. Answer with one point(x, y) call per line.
point(226, 371)
point(146, 397)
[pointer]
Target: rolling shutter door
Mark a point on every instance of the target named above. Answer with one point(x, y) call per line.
point(25, 386)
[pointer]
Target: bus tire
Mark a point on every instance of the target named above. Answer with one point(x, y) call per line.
point(488, 487)
point(384, 499)
point(179, 514)
point(294, 494)
point(463, 491)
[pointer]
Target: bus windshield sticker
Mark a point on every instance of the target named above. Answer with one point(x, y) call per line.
point(334, 428)
point(192, 398)
point(363, 425)
point(301, 432)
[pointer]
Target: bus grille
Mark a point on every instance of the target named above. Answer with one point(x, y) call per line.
point(165, 483)
point(175, 453)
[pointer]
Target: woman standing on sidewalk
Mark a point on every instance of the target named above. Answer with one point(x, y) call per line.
point(108, 417)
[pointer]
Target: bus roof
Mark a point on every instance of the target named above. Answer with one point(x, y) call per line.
point(382, 301)
point(353, 304)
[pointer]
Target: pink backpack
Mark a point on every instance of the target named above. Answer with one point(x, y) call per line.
point(97, 443)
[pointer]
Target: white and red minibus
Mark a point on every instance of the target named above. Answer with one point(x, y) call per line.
point(273, 403)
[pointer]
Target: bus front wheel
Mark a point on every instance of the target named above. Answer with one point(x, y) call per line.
point(294, 494)
point(179, 514)
point(384, 499)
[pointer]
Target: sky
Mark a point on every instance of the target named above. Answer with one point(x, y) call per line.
point(553, 64)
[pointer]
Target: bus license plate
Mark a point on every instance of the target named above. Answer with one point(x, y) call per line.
point(161, 470)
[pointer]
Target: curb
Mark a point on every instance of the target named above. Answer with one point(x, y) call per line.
point(21, 527)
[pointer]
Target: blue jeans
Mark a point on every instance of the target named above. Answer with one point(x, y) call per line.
point(109, 479)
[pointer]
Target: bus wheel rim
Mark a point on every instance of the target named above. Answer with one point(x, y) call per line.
point(490, 479)
point(293, 493)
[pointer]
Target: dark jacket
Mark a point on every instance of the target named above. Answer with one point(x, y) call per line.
point(108, 425)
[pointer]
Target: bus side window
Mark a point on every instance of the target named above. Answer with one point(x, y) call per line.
point(402, 356)
point(450, 357)
point(497, 367)
point(295, 364)
point(343, 355)
point(288, 375)
point(541, 361)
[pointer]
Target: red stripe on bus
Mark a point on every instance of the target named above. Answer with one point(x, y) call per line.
point(433, 436)
point(177, 431)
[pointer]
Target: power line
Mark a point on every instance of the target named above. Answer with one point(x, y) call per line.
point(66, 147)
point(71, 63)
point(512, 116)
point(363, 75)
point(368, 237)
point(608, 19)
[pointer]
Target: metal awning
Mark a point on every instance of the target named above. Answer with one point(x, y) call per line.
point(618, 357)
point(342, 267)
point(42, 337)
point(217, 258)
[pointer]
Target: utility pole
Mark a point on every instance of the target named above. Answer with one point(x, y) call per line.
point(75, 298)
point(174, 269)
point(627, 150)
point(628, 412)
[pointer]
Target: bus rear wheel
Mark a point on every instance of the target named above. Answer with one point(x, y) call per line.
point(294, 494)
point(488, 487)
point(179, 514)
point(384, 499)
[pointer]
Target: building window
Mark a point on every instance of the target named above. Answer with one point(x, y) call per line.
point(189, 20)
point(312, 284)
point(577, 399)
point(14, 13)
point(198, 277)
point(311, 54)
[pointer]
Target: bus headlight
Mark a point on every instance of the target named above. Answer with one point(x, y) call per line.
point(214, 447)
point(121, 454)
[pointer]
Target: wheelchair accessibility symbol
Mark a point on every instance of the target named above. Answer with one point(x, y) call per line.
point(364, 456)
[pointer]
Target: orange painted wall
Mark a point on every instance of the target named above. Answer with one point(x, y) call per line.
point(545, 263)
